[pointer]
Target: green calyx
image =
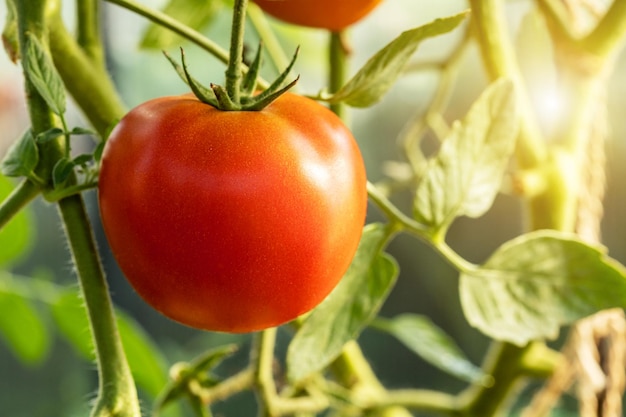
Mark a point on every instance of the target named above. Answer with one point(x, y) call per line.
point(248, 97)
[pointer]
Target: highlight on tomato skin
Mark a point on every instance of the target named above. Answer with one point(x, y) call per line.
point(232, 221)
point(334, 15)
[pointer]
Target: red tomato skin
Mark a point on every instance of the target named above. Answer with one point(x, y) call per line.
point(334, 15)
point(232, 221)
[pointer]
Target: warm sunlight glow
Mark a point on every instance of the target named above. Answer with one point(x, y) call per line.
point(551, 105)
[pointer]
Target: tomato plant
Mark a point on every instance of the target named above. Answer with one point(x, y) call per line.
point(326, 14)
point(232, 220)
point(241, 207)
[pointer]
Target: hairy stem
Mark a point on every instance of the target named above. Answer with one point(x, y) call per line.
point(117, 395)
point(31, 16)
point(234, 69)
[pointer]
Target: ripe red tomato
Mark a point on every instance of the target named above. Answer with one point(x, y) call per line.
point(232, 221)
point(326, 14)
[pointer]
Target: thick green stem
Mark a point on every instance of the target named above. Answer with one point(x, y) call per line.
point(21, 195)
point(507, 364)
point(420, 400)
point(609, 33)
point(489, 24)
point(395, 215)
point(117, 395)
point(31, 17)
point(353, 371)
point(556, 206)
point(264, 376)
point(503, 364)
point(270, 404)
point(227, 388)
point(86, 80)
point(234, 70)
point(338, 71)
point(88, 30)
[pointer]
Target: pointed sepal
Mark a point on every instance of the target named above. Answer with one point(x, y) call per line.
point(201, 92)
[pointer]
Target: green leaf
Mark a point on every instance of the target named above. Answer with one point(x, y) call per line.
point(204, 94)
point(49, 135)
point(62, 171)
point(538, 282)
point(97, 152)
point(195, 14)
point(82, 159)
point(347, 310)
point(465, 176)
point(16, 237)
point(22, 157)
point(146, 362)
point(249, 82)
point(378, 74)
point(198, 369)
point(43, 75)
point(21, 325)
point(425, 339)
point(82, 131)
point(275, 90)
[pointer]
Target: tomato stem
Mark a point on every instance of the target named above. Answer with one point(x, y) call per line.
point(234, 384)
point(263, 359)
point(338, 70)
point(117, 394)
point(270, 403)
point(506, 363)
point(88, 33)
point(234, 69)
point(351, 367)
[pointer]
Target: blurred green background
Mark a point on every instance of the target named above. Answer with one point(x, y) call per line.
point(63, 382)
